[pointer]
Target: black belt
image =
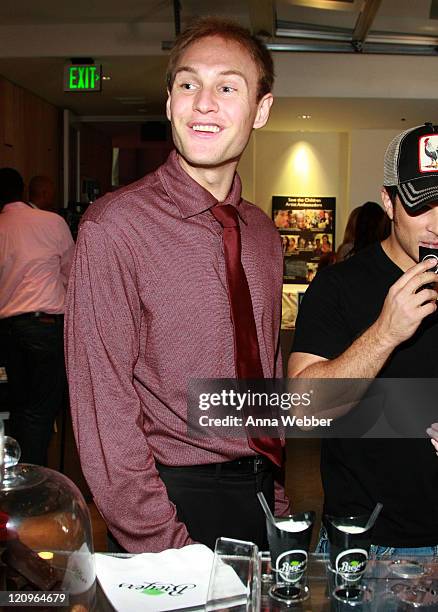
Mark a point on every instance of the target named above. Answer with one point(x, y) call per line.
point(45, 317)
point(253, 464)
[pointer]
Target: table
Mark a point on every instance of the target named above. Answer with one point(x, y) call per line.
point(380, 576)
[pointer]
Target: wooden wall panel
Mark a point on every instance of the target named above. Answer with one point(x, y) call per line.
point(135, 162)
point(96, 157)
point(13, 105)
point(30, 133)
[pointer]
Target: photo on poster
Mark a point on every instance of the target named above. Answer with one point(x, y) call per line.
point(290, 244)
point(307, 228)
point(312, 268)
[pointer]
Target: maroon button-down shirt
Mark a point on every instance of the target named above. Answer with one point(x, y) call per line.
point(148, 309)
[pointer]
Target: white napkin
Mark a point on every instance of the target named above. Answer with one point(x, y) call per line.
point(80, 572)
point(169, 580)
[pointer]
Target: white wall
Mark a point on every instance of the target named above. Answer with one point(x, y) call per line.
point(344, 75)
point(367, 150)
point(347, 166)
point(295, 163)
point(246, 171)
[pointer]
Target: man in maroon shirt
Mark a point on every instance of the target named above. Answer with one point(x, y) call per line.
point(139, 327)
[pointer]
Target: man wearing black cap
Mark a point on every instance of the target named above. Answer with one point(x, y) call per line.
point(375, 315)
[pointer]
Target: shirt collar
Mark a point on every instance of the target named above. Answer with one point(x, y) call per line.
point(189, 196)
point(17, 204)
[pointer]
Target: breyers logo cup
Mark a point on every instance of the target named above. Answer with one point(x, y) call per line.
point(289, 540)
point(350, 541)
point(291, 565)
point(351, 564)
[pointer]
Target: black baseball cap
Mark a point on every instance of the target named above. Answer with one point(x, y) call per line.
point(411, 165)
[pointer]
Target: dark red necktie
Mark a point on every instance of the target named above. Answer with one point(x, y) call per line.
point(246, 346)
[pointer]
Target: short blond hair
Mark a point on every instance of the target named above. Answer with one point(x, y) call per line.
point(230, 31)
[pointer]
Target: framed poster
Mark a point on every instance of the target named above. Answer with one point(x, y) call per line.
point(307, 228)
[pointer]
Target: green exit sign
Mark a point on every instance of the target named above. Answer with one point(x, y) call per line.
point(83, 77)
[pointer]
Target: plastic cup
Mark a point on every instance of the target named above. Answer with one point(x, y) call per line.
point(349, 546)
point(289, 542)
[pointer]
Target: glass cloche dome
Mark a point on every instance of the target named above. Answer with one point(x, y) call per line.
point(45, 536)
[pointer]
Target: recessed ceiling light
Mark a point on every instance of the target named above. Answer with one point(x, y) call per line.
point(131, 100)
point(304, 116)
point(106, 78)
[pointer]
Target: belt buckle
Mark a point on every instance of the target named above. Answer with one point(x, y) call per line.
point(258, 463)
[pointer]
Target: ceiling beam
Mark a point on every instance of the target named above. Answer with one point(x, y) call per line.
point(364, 22)
point(329, 5)
point(262, 17)
point(84, 39)
point(433, 13)
point(371, 47)
point(290, 29)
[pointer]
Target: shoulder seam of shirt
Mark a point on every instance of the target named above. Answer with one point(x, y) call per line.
point(128, 191)
point(115, 239)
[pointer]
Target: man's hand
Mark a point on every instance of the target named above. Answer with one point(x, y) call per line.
point(432, 431)
point(405, 306)
point(408, 302)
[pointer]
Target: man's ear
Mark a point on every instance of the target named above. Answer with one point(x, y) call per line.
point(263, 110)
point(168, 113)
point(387, 203)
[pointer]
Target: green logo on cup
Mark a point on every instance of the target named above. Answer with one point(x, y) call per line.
point(352, 563)
point(291, 565)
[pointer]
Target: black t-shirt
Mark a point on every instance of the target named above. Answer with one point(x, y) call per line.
point(339, 305)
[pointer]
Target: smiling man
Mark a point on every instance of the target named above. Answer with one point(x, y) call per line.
point(375, 315)
point(139, 328)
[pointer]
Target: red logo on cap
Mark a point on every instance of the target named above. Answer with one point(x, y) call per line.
point(428, 153)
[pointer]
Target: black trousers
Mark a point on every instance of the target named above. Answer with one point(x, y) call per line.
point(221, 500)
point(37, 385)
point(218, 500)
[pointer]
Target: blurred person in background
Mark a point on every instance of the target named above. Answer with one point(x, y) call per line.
point(372, 225)
point(42, 193)
point(327, 259)
point(36, 251)
point(346, 246)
